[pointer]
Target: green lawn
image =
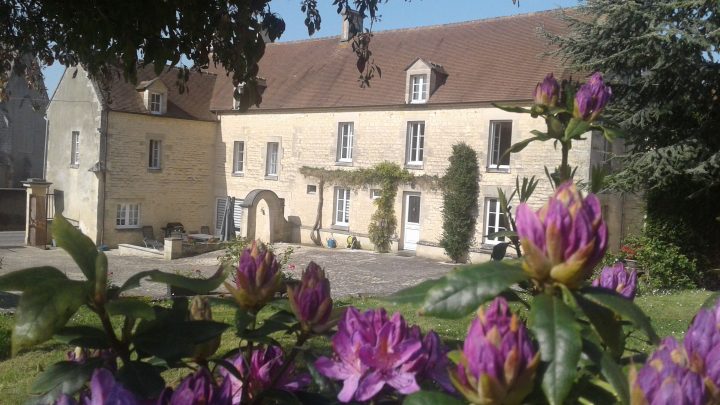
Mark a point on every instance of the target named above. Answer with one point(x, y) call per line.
point(670, 315)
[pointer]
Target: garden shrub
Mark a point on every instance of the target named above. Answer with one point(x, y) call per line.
point(460, 202)
point(666, 267)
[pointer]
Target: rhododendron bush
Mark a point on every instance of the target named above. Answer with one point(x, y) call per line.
point(542, 330)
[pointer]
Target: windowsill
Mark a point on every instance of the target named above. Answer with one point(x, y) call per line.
point(271, 177)
point(340, 227)
point(418, 102)
point(154, 169)
point(238, 174)
point(155, 113)
point(500, 169)
point(72, 166)
point(128, 228)
point(414, 166)
point(343, 163)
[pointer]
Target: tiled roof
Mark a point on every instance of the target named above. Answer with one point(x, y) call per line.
point(499, 59)
point(193, 104)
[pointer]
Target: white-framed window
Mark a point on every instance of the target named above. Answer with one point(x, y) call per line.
point(495, 220)
point(500, 142)
point(238, 157)
point(155, 103)
point(75, 148)
point(418, 88)
point(342, 206)
point(415, 143)
point(128, 216)
point(312, 189)
point(375, 193)
point(271, 160)
point(154, 154)
point(345, 142)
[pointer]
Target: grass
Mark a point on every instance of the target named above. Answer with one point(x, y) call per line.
point(670, 315)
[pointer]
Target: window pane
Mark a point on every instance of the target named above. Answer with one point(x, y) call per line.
point(505, 142)
point(413, 215)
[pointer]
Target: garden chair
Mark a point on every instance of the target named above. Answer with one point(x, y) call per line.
point(149, 238)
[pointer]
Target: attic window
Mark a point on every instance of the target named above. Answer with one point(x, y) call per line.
point(418, 88)
point(155, 102)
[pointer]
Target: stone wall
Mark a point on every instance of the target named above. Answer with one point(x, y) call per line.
point(180, 191)
point(310, 139)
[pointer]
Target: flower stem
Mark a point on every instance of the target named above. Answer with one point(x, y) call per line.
point(564, 167)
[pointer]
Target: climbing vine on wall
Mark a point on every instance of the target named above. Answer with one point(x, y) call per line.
point(388, 176)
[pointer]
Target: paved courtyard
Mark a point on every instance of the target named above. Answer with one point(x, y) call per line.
point(351, 272)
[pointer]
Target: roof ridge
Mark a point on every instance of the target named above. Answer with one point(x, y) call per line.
point(434, 26)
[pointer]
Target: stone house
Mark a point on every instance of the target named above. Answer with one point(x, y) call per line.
point(437, 88)
point(22, 133)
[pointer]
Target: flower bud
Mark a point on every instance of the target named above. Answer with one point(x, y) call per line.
point(563, 240)
point(201, 388)
point(257, 278)
point(200, 311)
point(702, 343)
point(591, 98)
point(310, 301)
point(498, 362)
point(616, 278)
point(546, 93)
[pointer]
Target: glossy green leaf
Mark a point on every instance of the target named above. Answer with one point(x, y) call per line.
point(141, 378)
point(431, 398)
point(575, 128)
point(412, 295)
point(468, 287)
point(519, 146)
point(612, 133)
point(196, 285)
point(609, 369)
point(556, 129)
point(176, 340)
point(64, 377)
point(83, 336)
point(78, 246)
point(131, 307)
point(45, 309)
point(558, 334)
point(623, 307)
point(25, 279)
point(512, 108)
point(604, 322)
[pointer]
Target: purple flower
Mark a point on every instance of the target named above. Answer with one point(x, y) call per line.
point(431, 362)
point(498, 362)
point(591, 98)
point(616, 278)
point(265, 364)
point(370, 352)
point(201, 388)
point(668, 377)
point(546, 93)
point(702, 342)
point(257, 278)
point(81, 354)
point(104, 389)
point(563, 240)
point(310, 301)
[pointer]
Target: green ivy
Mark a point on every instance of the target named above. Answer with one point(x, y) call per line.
point(460, 202)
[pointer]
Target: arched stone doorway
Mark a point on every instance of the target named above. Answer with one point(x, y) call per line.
point(265, 213)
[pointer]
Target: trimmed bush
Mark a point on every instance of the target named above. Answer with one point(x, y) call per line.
point(460, 202)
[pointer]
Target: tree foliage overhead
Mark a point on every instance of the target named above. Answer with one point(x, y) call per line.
point(661, 58)
point(102, 35)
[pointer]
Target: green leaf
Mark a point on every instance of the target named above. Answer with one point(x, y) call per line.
point(45, 309)
point(575, 128)
point(623, 307)
point(556, 128)
point(431, 398)
point(141, 378)
point(25, 279)
point(511, 108)
point(243, 319)
point(468, 287)
point(610, 370)
point(607, 326)
point(503, 234)
point(711, 300)
point(412, 295)
point(517, 147)
point(196, 285)
point(79, 246)
point(175, 340)
point(131, 307)
point(558, 334)
point(83, 336)
point(64, 377)
point(611, 133)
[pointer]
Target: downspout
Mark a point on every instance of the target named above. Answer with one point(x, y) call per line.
point(45, 151)
point(103, 174)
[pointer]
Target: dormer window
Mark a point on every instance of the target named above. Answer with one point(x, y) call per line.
point(419, 86)
point(155, 103)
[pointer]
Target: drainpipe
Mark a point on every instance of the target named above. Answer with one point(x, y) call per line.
point(103, 174)
point(45, 151)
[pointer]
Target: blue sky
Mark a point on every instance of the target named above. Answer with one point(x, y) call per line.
point(395, 14)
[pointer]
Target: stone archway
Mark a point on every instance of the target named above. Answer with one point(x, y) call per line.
point(265, 213)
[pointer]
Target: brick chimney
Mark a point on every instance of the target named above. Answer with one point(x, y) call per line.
point(352, 24)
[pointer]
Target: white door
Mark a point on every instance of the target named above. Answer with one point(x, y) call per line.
point(411, 227)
